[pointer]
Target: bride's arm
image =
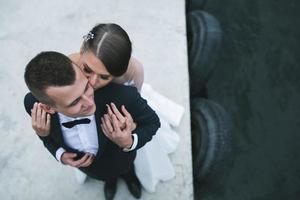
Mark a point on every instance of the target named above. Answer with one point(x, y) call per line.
point(138, 72)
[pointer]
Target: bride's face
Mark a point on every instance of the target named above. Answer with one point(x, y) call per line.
point(95, 70)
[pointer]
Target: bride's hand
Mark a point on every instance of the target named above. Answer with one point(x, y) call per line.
point(40, 120)
point(112, 109)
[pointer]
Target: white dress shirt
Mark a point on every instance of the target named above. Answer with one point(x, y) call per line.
point(83, 137)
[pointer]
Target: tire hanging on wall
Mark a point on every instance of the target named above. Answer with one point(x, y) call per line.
point(204, 39)
point(211, 140)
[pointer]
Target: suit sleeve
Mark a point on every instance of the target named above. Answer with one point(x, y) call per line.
point(145, 117)
point(48, 142)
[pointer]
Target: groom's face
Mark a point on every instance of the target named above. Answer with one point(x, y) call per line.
point(76, 100)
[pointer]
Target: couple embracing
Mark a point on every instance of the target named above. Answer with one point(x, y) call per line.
point(87, 110)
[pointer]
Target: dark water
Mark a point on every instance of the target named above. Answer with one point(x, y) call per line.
point(257, 80)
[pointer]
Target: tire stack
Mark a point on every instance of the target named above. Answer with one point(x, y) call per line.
point(211, 124)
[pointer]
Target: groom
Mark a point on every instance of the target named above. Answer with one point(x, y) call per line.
point(76, 110)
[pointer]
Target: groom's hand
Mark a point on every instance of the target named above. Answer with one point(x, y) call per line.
point(110, 127)
point(70, 159)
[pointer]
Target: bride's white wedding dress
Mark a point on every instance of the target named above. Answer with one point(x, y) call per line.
point(152, 163)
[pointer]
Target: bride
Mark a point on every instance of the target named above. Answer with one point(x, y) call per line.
point(102, 46)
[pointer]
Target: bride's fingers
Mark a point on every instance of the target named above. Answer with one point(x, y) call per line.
point(109, 111)
point(128, 125)
point(33, 115)
point(108, 123)
point(129, 120)
point(126, 113)
point(104, 128)
point(43, 118)
point(48, 121)
point(119, 116)
point(39, 116)
point(115, 123)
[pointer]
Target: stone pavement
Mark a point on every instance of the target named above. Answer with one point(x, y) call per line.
point(157, 29)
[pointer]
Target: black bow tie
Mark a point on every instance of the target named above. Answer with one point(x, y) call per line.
point(70, 124)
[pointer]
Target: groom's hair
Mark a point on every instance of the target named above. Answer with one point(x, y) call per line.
point(48, 69)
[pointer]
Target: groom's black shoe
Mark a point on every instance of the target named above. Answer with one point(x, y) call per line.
point(133, 184)
point(110, 188)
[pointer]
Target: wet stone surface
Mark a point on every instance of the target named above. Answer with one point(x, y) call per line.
point(257, 81)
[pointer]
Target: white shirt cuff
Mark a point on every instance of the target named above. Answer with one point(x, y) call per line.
point(134, 144)
point(58, 153)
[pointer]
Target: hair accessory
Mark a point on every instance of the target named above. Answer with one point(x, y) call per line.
point(88, 36)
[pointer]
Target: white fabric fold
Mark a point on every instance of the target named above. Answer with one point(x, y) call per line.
point(152, 163)
point(165, 107)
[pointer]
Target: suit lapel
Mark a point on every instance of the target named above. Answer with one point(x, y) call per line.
point(102, 140)
point(56, 129)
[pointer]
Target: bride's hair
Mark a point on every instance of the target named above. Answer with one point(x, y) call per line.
point(111, 44)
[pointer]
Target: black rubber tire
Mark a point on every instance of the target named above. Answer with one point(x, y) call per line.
point(211, 140)
point(204, 39)
point(195, 4)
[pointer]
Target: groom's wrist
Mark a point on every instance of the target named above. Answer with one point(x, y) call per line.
point(129, 143)
point(133, 143)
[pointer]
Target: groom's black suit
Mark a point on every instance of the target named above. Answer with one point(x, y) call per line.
point(111, 161)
